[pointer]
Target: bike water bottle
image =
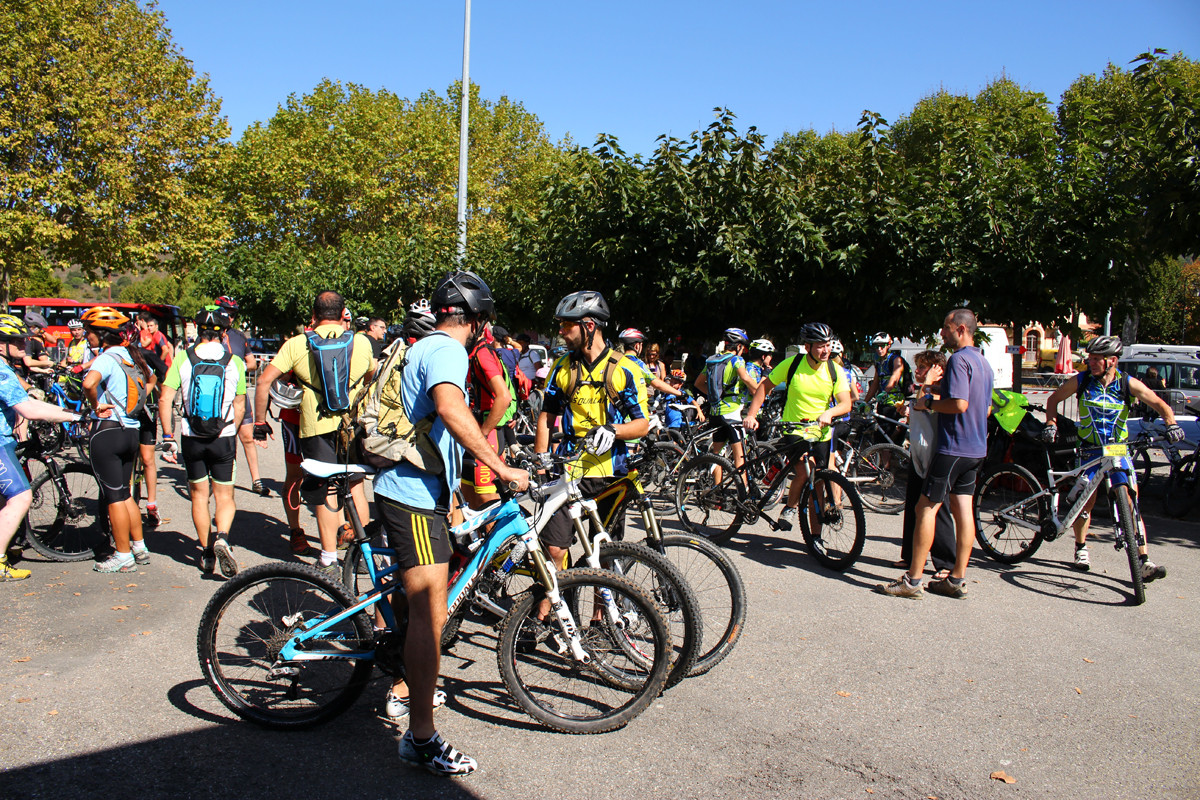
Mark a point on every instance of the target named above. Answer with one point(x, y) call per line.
point(515, 557)
point(1078, 489)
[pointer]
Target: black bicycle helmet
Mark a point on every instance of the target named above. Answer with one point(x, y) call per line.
point(578, 305)
point(394, 332)
point(466, 290)
point(213, 320)
point(816, 333)
point(1105, 346)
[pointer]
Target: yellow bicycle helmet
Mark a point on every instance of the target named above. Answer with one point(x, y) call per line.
point(104, 318)
point(12, 327)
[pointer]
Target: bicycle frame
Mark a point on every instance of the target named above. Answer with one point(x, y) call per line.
point(1108, 465)
point(509, 522)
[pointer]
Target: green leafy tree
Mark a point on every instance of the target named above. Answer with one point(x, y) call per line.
point(353, 189)
point(173, 290)
point(109, 143)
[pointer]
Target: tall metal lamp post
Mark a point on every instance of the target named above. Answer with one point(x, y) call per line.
point(465, 102)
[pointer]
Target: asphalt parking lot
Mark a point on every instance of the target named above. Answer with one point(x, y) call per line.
point(1042, 673)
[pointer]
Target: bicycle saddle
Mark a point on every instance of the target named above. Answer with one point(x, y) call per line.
point(325, 469)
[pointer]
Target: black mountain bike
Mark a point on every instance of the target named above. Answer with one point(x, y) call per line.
point(714, 499)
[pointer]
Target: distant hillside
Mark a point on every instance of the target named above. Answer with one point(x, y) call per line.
point(76, 286)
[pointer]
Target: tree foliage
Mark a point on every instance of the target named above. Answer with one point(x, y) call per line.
point(108, 142)
point(355, 190)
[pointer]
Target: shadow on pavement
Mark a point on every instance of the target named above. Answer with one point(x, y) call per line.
point(347, 758)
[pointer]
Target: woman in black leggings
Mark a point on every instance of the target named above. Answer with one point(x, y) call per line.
point(113, 447)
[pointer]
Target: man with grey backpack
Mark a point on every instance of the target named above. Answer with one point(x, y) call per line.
point(212, 381)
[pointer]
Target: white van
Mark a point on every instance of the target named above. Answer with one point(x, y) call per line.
point(994, 350)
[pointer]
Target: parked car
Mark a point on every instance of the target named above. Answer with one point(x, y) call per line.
point(1173, 371)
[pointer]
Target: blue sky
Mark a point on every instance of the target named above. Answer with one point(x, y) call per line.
point(640, 69)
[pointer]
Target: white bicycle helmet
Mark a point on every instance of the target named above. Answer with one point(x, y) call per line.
point(762, 346)
point(285, 394)
point(837, 349)
point(75, 324)
point(883, 337)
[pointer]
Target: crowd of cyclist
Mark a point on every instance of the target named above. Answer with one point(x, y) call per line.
point(464, 382)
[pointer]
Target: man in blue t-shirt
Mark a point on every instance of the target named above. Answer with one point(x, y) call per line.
point(412, 505)
point(962, 408)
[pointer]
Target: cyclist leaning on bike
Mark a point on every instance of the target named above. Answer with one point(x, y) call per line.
point(602, 403)
point(809, 391)
point(1105, 395)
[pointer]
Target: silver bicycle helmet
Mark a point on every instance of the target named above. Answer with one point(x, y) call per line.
point(1105, 346)
point(285, 394)
point(631, 335)
point(578, 305)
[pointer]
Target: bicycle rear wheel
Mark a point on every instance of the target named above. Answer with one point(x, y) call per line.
point(663, 581)
point(881, 476)
point(657, 471)
point(626, 667)
point(70, 527)
point(1182, 488)
point(1129, 533)
point(1008, 523)
point(719, 590)
point(843, 527)
point(708, 507)
point(247, 623)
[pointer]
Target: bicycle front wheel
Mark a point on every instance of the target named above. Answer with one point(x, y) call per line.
point(842, 529)
point(708, 506)
point(1008, 521)
point(719, 590)
point(881, 475)
point(662, 580)
point(1129, 533)
point(247, 623)
point(68, 525)
point(626, 665)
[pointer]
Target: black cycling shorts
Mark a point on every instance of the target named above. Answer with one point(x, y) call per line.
point(419, 536)
point(209, 458)
point(112, 450)
point(819, 450)
point(950, 475)
point(289, 432)
point(560, 532)
point(147, 430)
point(728, 431)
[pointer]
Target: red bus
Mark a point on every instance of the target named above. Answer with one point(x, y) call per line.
point(58, 312)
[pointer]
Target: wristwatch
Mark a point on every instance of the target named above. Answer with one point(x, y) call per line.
point(928, 402)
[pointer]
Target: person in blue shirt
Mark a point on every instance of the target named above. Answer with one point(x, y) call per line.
point(114, 444)
point(413, 505)
point(15, 495)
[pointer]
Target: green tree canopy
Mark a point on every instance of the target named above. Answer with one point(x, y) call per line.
point(108, 142)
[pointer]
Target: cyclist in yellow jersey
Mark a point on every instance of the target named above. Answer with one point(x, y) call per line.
point(809, 391)
point(602, 399)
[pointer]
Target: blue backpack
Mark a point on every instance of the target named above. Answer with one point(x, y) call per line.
point(331, 362)
point(206, 395)
point(715, 372)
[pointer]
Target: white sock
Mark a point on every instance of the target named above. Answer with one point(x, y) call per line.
point(328, 558)
point(138, 547)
